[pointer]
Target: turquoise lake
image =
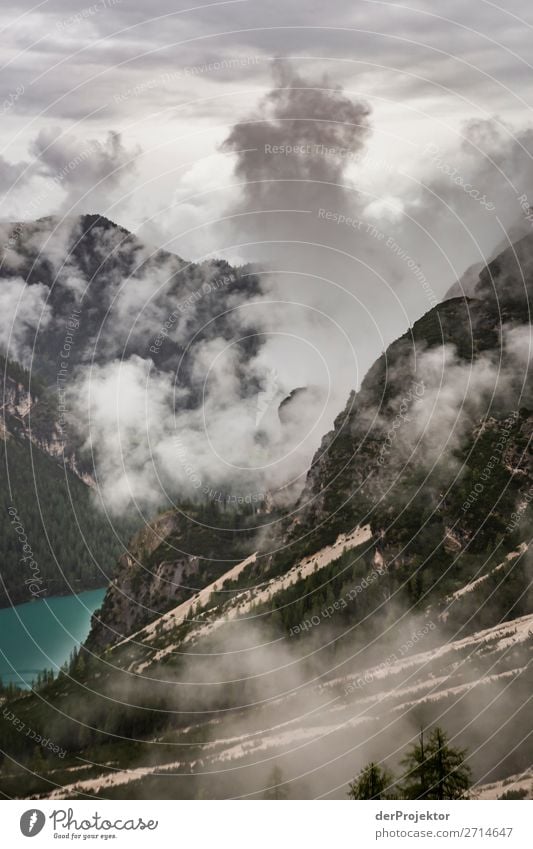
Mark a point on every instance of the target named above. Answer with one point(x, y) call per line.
point(41, 634)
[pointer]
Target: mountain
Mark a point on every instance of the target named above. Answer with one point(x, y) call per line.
point(29, 414)
point(55, 539)
point(468, 281)
point(395, 594)
point(179, 551)
point(77, 294)
point(90, 290)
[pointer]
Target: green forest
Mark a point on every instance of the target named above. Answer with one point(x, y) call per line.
point(54, 539)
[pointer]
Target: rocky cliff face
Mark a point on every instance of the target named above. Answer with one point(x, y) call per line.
point(16, 404)
point(398, 592)
point(31, 417)
point(84, 282)
point(167, 562)
point(454, 383)
point(46, 483)
point(134, 597)
point(80, 287)
point(432, 453)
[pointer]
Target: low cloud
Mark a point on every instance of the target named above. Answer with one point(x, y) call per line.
point(23, 311)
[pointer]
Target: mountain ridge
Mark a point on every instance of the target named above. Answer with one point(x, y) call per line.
point(315, 632)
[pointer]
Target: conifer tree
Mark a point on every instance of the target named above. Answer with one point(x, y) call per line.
point(434, 769)
point(373, 782)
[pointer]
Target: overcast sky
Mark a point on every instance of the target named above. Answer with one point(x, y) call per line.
point(155, 73)
point(366, 153)
point(140, 111)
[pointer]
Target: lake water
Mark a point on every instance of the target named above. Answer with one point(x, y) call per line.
point(41, 634)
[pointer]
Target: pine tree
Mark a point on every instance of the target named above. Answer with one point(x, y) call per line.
point(435, 770)
point(452, 777)
point(373, 782)
point(416, 782)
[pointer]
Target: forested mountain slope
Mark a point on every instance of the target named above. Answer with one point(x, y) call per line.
point(398, 591)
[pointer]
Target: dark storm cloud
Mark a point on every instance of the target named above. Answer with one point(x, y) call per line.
point(317, 120)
